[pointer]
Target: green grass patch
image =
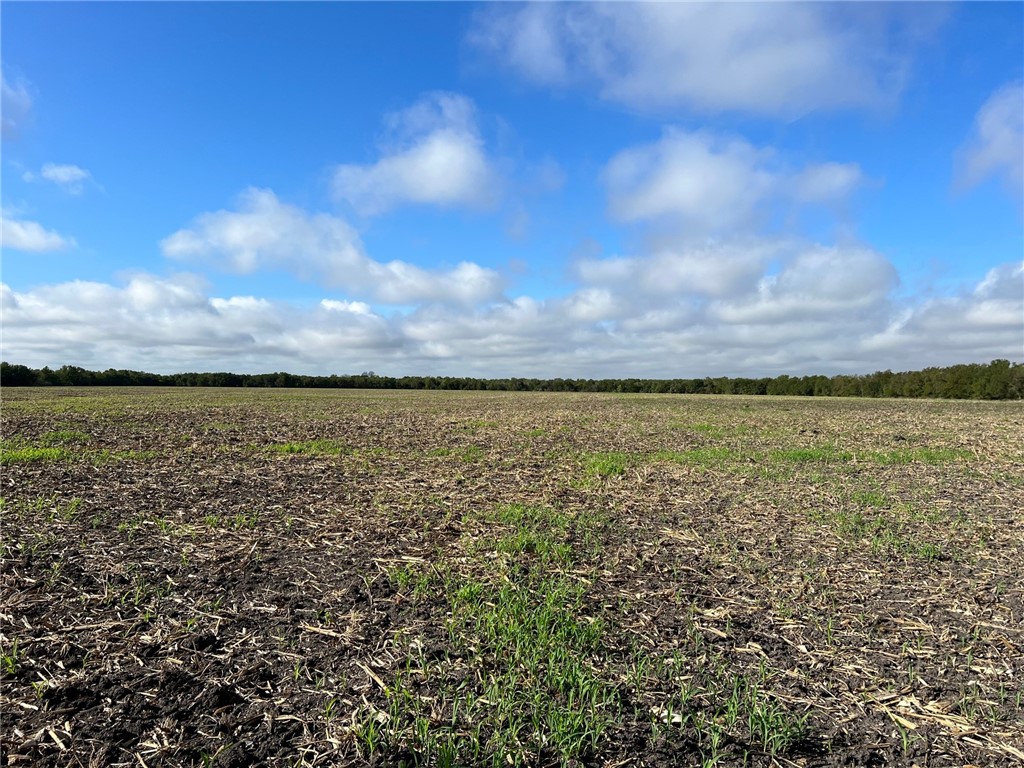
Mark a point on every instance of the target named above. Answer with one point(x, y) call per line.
point(475, 425)
point(25, 454)
point(917, 455)
point(887, 533)
point(539, 699)
point(64, 437)
point(52, 508)
point(17, 451)
point(522, 624)
point(830, 454)
point(821, 453)
point(220, 426)
point(311, 448)
point(11, 657)
point(471, 454)
point(714, 707)
point(531, 534)
point(706, 457)
point(526, 677)
point(606, 464)
point(539, 532)
point(712, 430)
point(869, 499)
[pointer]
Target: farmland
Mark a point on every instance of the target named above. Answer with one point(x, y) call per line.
point(234, 577)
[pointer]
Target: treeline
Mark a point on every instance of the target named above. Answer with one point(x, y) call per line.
point(998, 380)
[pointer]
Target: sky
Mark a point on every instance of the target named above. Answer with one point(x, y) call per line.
point(589, 190)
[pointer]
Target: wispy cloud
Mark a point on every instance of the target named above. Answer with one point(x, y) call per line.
point(265, 233)
point(761, 58)
point(15, 106)
point(69, 177)
point(435, 156)
point(995, 147)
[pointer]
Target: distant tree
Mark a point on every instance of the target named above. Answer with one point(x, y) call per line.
point(999, 380)
point(17, 375)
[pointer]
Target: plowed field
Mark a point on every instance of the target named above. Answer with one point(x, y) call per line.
point(267, 577)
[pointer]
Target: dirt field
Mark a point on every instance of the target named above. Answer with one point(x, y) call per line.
point(266, 577)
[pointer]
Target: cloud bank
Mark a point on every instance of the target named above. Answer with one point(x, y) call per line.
point(779, 307)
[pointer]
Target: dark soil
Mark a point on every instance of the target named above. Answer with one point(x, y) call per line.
point(176, 591)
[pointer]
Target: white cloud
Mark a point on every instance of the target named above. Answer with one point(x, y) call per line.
point(713, 270)
point(15, 107)
point(824, 311)
point(742, 299)
point(70, 177)
point(170, 324)
point(818, 310)
point(715, 184)
point(827, 183)
point(996, 144)
point(22, 235)
point(763, 58)
point(437, 158)
point(530, 40)
point(984, 323)
point(823, 284)
point(593, 305)
point(265, 233)
point(358, 307)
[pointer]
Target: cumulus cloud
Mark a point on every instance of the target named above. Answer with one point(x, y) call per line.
point(531, 40)
point(171, 324)
point(265, 233)
point(984, 323)
point(821, 309)
point(823, 284)
point(762, 58)
point(23, 235)
point(15, 106)
point(712, 183)
point(773, 303)
point(995, 147)
point(436, 156)
point(358, 307)
point(713, 270)
point(826, 309)
point(70, 177)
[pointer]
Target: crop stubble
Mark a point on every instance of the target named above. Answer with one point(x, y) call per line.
point(228, 577)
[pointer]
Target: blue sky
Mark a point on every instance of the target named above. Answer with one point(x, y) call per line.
point(581, 190)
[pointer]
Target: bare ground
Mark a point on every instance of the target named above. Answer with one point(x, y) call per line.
point(218, 577)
